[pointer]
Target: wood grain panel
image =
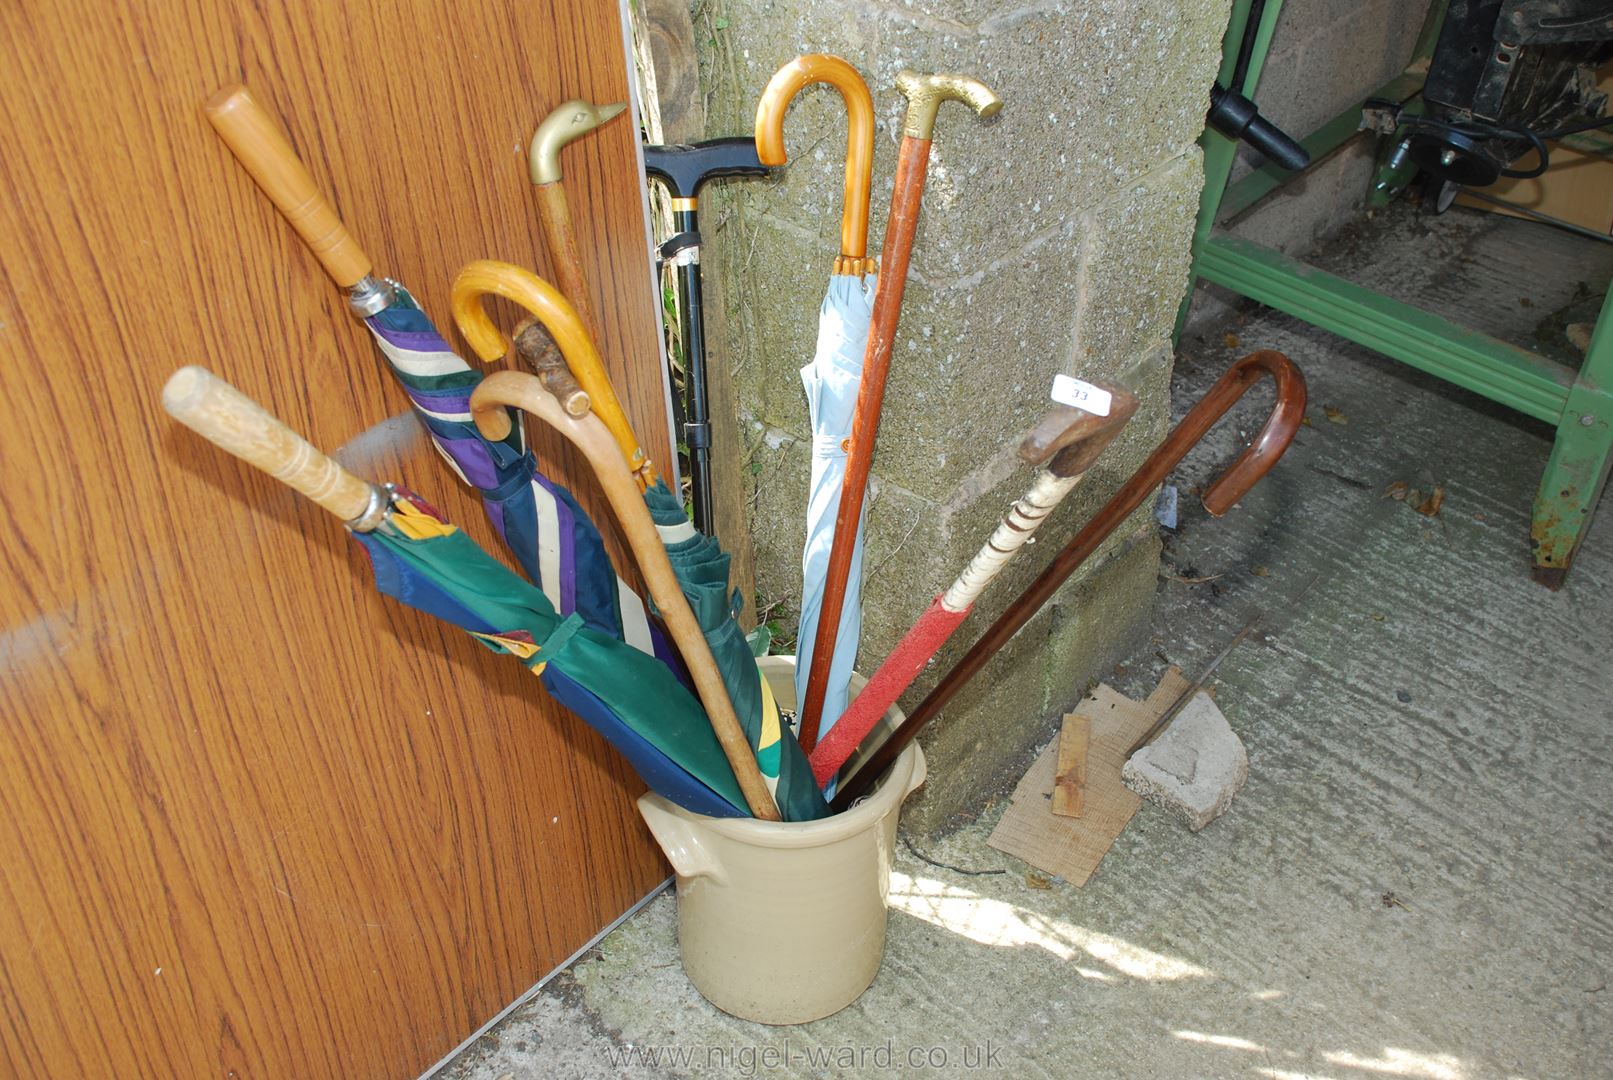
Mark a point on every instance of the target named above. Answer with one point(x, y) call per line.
point(255, 820)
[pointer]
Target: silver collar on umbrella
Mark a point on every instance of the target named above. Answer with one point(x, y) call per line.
point(370, 295)
point(374, 516)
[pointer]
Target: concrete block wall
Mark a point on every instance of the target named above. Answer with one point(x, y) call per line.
point(1053, 239)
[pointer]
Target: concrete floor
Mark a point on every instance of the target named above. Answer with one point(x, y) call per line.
point(1415, 880)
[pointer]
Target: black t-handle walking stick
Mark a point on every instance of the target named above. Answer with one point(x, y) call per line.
point(684, 169)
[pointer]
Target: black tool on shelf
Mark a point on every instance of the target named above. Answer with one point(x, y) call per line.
point(1236, 116)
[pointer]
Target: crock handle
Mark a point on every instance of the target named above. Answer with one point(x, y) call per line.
point(680, 840)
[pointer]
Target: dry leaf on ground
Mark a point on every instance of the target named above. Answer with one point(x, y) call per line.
point(1430, 506)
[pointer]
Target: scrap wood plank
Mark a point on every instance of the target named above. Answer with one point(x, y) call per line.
point(1070, 779)
point(1072, 847)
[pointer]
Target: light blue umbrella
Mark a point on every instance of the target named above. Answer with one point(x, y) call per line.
point(831, 382)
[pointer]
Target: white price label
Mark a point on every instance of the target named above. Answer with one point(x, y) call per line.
point(1082, 395)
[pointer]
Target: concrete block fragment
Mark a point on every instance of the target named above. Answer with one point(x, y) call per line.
point(1193, 769)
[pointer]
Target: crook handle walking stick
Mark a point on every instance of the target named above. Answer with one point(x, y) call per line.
point(562, 321)
point(589, 435)
point(569, 120)
point(1255, 462)
point(925, 93)
point(781, 89)
point(233, 422)
point(1068, 441)
point(265, 152)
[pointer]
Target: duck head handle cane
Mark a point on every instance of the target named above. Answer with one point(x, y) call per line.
point(925, 95)
point(1065, 442)
point(1255, 462)
point(570, 120)
point(684, 170)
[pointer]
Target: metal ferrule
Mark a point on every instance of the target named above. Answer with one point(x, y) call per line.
point(925, 93)
point(371, 295)
point(374, 515)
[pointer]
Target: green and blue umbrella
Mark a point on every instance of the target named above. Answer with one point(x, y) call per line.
point(626, 695)
point(423, 561)
point(702, 569)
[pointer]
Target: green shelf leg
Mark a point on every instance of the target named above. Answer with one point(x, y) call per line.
point(1577, 470)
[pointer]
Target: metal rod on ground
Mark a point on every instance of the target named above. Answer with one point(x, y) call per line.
point(925, 94)
point(1198, 684)
point(1256, 460)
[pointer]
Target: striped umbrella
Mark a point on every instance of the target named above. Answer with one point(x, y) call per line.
point(698, 566)
point(545, 528)
point(423, 561)
point(548, 533)
point(702, 569)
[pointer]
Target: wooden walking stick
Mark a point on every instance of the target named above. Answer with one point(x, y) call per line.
point(1068, 440)
point(570, 120)
point(564, 322)
point(924, 93)
point(588, 434)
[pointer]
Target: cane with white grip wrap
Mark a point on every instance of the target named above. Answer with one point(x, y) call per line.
point(1068, 440)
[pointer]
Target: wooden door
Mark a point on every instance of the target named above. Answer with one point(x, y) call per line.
point(256, 820)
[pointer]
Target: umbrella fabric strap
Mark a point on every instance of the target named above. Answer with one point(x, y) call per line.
point(682, 249)
point(551, 646)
